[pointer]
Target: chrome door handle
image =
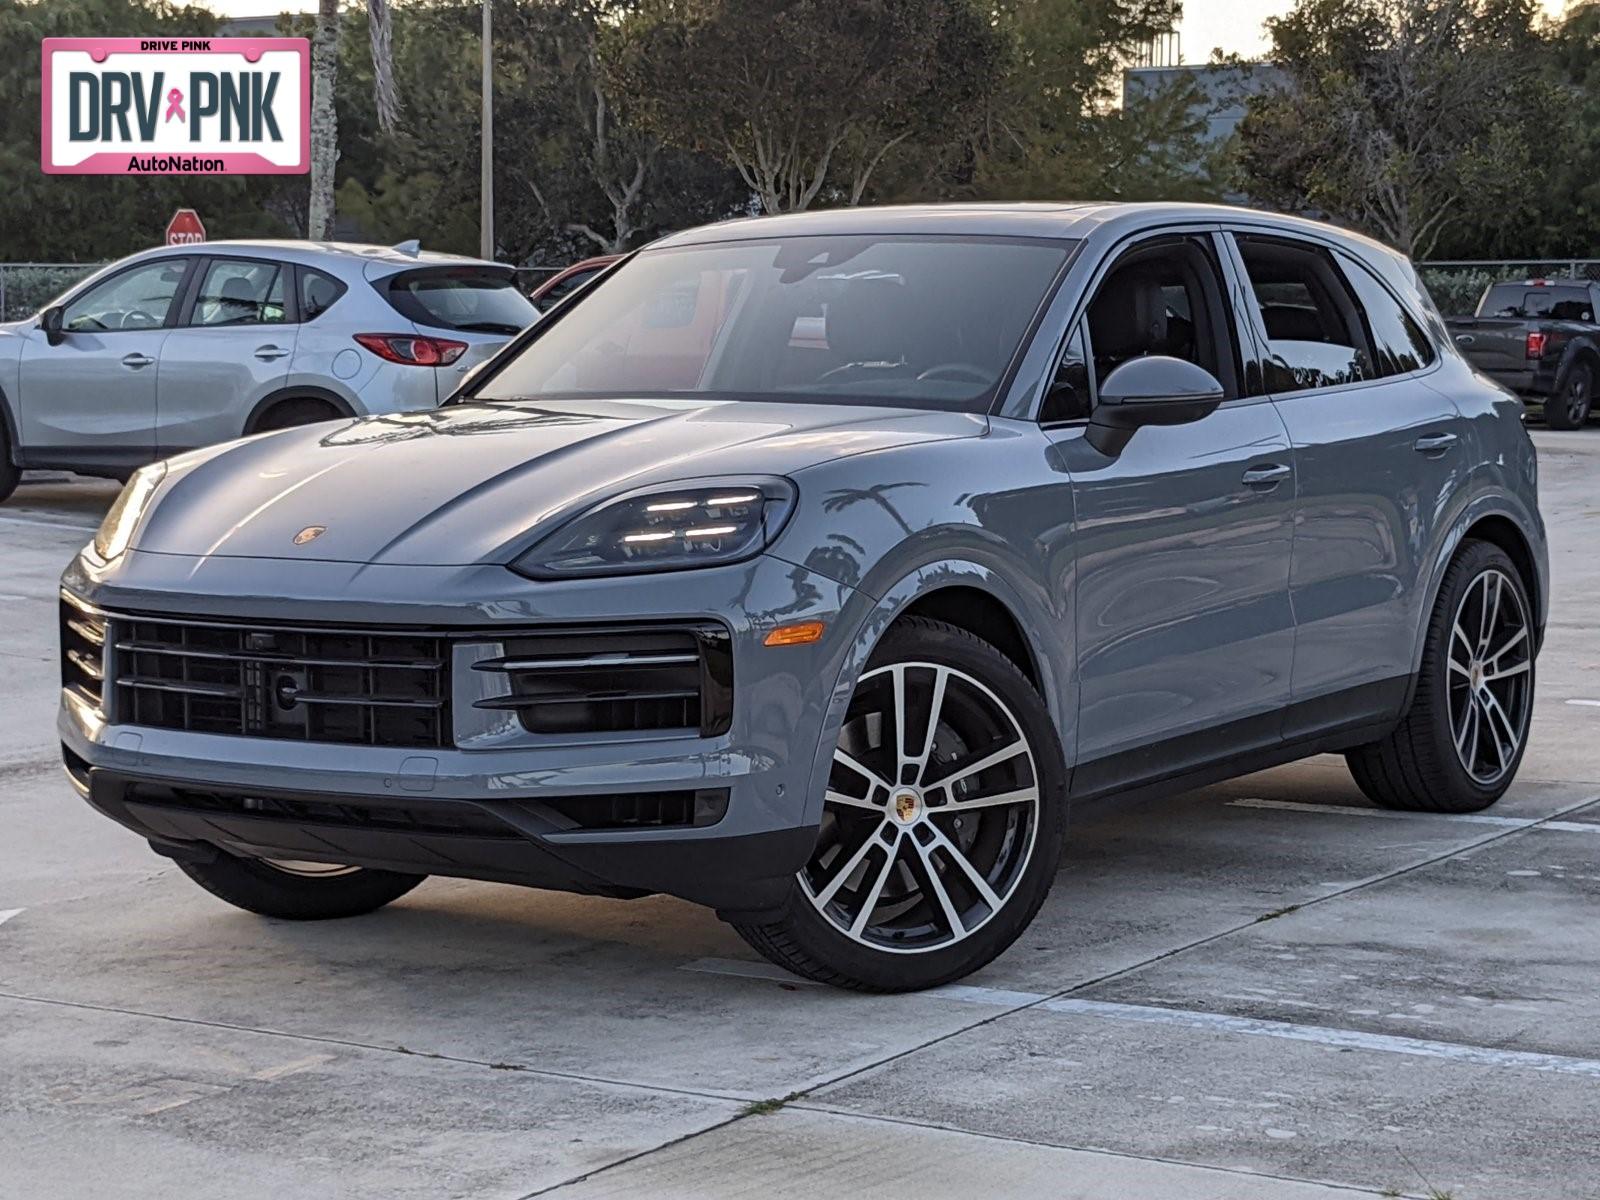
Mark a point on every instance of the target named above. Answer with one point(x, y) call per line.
point(136, 360)
point(1434, 443)
point(268, 353)
point(1266, 477)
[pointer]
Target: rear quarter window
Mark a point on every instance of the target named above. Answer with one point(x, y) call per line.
point(470, 299)
point(318, 292)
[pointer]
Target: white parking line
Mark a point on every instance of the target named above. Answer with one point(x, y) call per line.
point(7, 913)
point(1586, 703)
point(1341, 1039)
point(1386, 814)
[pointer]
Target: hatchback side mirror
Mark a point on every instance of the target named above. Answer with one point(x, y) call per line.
point(50, 322)
point(1152, 390)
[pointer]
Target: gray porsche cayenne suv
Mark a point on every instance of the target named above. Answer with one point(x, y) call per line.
point(808, 567)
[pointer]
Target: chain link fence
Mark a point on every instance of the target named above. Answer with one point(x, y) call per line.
point(1456, 287)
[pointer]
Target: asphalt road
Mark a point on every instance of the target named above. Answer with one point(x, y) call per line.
point(1265, 989)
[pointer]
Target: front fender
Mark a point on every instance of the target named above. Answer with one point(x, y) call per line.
point(872, 616)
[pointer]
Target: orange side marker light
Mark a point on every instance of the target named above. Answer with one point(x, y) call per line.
point(801, 634)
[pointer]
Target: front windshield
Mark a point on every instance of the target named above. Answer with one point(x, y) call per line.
point(926, 322)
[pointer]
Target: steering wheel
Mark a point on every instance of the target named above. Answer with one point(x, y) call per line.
point(957, 371)
point(136, 318)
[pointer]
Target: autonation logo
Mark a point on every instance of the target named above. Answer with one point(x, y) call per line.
point(170, 106)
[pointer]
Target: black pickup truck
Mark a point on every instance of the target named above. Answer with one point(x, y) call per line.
point(1540, 339)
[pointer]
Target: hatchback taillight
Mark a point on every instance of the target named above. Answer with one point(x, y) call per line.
point(1535, 343)
point(412, 349)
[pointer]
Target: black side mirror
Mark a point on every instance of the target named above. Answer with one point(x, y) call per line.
point(50, 322)
point(1152, 390)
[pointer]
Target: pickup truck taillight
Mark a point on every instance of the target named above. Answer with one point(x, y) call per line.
point(1535, 343)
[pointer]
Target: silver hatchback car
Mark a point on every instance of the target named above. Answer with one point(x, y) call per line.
point(808, 567)
point(186, 346)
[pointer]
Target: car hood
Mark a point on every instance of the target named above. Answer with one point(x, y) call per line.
point(478, 482)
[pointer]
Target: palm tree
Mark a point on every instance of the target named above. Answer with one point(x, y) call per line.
point(324, 118)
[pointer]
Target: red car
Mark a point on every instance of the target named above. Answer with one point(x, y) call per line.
point(563, 283)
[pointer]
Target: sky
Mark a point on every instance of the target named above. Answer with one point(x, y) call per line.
point(1234, 26)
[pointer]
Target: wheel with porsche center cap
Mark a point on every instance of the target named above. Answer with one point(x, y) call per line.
point(297, 891)
point(942, 821)
point(1460, 743)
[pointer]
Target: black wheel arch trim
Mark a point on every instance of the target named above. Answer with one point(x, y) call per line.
point(1585, 348)
point(1523, 558)
point(10, 429)
point(296, 392)
point(872, 613)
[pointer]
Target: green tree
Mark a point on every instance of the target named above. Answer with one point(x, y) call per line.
point(804, 98)
point(1428, 123)
point(596, 175)
point(1054, 125)
point(572, 178)
point(1572, 215)
point(326, 54)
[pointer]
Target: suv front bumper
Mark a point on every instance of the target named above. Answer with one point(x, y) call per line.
point(746, 802)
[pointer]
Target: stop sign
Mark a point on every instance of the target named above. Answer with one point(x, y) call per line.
point(185, 228)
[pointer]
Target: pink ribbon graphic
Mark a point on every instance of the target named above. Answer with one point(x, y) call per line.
point(175, 105)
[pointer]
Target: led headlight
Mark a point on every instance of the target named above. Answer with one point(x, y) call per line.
point(699, 524)
point(116, 531)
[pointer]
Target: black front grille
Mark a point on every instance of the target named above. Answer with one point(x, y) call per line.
point(361, 687)
point(419, 817)
point(617, 680)
point(83, 645)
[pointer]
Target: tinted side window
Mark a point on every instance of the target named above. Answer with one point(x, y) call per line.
point(138, 298)
point(1165, 298)
point(1313, 327)
point(240, 292)
point(1398, 343)
point(317, 293)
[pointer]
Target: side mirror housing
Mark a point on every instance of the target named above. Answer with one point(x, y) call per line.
point(1152, 390)
point(50, 322)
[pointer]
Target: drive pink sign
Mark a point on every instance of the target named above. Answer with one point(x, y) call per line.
point(176, 106)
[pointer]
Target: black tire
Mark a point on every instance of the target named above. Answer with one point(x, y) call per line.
point(257, 886)
point(288, 414)
point(10, 473)
point(1418, 767)
point(935, 869)
point(1568, 407)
